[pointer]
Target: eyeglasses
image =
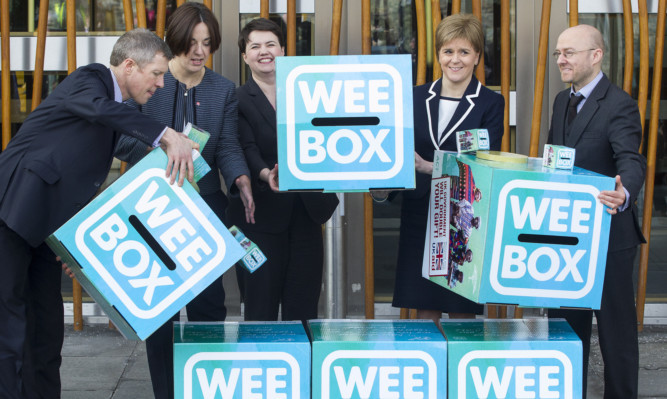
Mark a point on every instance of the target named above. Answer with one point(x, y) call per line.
point(568, 53)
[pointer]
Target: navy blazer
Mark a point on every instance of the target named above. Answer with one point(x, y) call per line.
point(259, 139)
point(606, 134)
point(62, 153)
point(480, 108)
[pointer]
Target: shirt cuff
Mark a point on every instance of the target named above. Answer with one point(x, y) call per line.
point(156, 143)
point(627, 201)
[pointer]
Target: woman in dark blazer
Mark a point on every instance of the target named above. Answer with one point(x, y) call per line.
point(288, 226)
point(456, 102)
point(195, 94)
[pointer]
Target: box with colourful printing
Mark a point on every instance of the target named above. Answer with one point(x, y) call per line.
point(472, 140)
point(345, 122)
point(378, 359)
point(503, 229)
point(144, 248)
point(529, 358)
point(240, 360)
point(558, 157)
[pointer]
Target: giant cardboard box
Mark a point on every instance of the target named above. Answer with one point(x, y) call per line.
point(144, 248)
point(241, 360)
point(345, 122)
point(517, 233)
point(378, 359)
point(529, 358)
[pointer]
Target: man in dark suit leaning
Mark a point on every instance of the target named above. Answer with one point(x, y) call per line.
point(602, 123)
point(51, 168)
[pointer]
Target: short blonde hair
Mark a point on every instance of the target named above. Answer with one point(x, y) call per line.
point(460, 26)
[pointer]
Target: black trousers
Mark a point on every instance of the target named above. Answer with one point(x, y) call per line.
point(31, 319)
point(617, 328)
point(292, 274)
point(209, 305)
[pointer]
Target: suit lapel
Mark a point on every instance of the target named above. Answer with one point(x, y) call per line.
point(558, 120)
point(587, 112)
point(465, 107)
point(262, 103)
point(432, 107)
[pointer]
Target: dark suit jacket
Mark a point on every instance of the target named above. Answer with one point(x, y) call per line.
point(63, 151)
point(480, 108)
point(259, 139)
point(606, 134)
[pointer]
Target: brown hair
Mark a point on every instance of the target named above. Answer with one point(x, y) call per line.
point(183, 21)
point(263, 25)
point(460, 26)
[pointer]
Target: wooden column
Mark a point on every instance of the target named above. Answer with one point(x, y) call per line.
point(38, 74)
point(160, 17)
point(129, 17)
point(629, 45)
point(642, 98)
point(291, 27)
point(574, 12)
point(505, 69)
point(539, 78)
point(337, 13)
point(369, 265)
point(6, 78)
point(141, 13)
point(480, 73)
point(264, 9)
point(436, 18)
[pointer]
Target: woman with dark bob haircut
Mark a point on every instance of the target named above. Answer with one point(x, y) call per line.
point(288, 226)
point(196, 94)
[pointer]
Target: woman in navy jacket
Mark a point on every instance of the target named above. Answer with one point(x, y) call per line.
point(456, 102)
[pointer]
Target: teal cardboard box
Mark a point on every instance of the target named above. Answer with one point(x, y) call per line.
point(232, 360)
point(516, 232)
point(529, 358)
point(345, 122)
point(378, 359)
point(144, 248)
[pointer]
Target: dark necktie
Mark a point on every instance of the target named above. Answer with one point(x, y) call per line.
point(572, 107)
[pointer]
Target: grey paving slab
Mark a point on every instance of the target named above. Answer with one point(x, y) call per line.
point(90, 373)
point(99, 363)
point(133, 389)
point(96, 394)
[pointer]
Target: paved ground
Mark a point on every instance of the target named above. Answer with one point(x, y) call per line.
point(98, 363)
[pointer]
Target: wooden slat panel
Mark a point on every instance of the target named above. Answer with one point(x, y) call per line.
point(369, 266)
point(337, 13)
point(421, 42)
point(505, 69)
point(480, 73)
point(141, 13)
point(264, 9)
point(6, 78)
point(160, 17)
point(651, 160)
point(642, 98)
point(539, 78)
point(629, 44)
point(38, 74)
point(436, 18)
point(456, 7)
point(291, 27)
point(574, 12)
point(129, 17)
